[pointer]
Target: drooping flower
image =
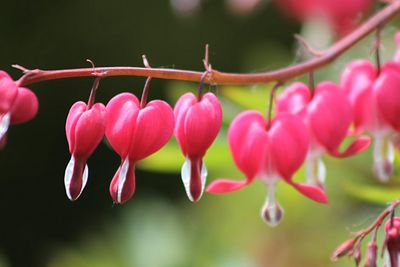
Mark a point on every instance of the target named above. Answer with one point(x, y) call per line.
point(85, 129)
point(375, 103)
point(197, 125)
point(392, 241)
point(17, 104)
point(343, 15)
point(327, 114)
point(269, 154)
point(135, 133)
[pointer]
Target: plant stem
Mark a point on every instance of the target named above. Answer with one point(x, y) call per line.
point(217, 77)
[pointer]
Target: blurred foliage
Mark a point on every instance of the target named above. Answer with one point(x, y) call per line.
point(159, 226)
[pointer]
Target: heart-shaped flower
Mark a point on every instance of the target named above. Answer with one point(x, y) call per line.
point(197, 125)
point(84, 128)
point(135, 133)
point(327, 114)
point(375, 102)
point(17, 104)
point(269, 154)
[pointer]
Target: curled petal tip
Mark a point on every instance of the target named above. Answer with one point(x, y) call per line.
point(357, 146)
point(312, 192)
point(223, 185)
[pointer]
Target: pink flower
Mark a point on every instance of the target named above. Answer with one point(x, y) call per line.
point(135, 133)
point(84, 128)
point(375, 103)
point(341, 14)
point(269, 154)
point(388, 95)
point(17, 104)
point(328, 116)
point(197, 125)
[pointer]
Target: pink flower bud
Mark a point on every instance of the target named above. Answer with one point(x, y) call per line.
point(135, 134)
point(197, 125)
point(84, 129)
point(370, 257)
point(343, 249)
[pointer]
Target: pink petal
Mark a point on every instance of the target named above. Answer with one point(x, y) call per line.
point(387, 93)
point(225, 185)
point(312, 192)
point(289, 144)
point(357, 81)
point(181, 108)
point(73, 115)
point(294, 99)
point(89, 130)
point(357, 77)
point(357, 146)
point(154, 127)
point(329, 115)
point(24, 107)
point(201, 125)
point(248, 141)
point(122, 113)
point(8, 92)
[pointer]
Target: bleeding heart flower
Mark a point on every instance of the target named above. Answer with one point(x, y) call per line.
point(269, 154)
point(375, 103)
point(84, 128)
point(135, 133)
point(197, 125)
point(343, 15)
point(328, 116)
point(17, 104)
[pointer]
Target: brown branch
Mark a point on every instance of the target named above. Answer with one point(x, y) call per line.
point(217, 77)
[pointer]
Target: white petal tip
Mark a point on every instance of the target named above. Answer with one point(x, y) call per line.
point(68, 179)
point(187, 180)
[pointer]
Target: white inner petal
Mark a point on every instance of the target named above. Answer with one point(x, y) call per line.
point(315, 170)
point(203, 174)
point(4, 124)
point(383, 157)
point(186, 177)
point(68, 176)
point(122, 179)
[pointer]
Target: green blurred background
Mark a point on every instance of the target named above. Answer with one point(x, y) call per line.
point(159, 227)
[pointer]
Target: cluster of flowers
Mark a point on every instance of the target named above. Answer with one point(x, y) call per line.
point(390, 247)
point(136, 130)
point(309, 123)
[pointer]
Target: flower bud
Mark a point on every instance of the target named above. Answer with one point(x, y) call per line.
point(370, 257)
point(343, 249)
